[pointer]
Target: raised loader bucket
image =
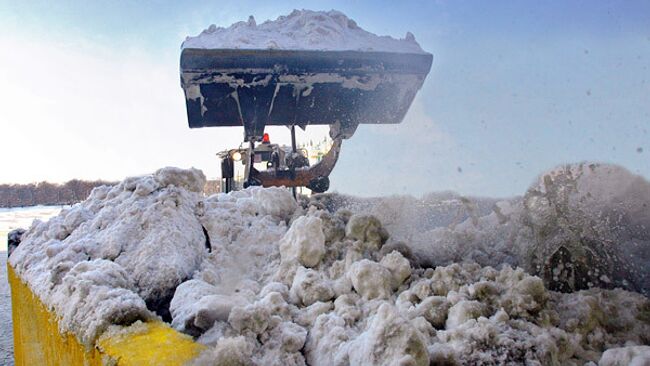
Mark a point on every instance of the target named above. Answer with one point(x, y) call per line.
point(256, 88)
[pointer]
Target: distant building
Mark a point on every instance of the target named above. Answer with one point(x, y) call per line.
point(316, 150)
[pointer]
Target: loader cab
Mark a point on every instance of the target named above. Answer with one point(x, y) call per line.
point(266, 156)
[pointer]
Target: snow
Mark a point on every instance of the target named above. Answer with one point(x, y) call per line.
point(123, 250)
point(370, 279)
point(304, 242)
point(92, 283)
point(630, 356)
point(309, 287)
point(578, 226)
point(389, 339)
point(360, 305)
point(21, 217)
point(301, 30)
point(326, 282)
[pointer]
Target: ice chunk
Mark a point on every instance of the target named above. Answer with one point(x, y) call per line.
point(197, 305)
point(254, 318)
point(274, 201)
point(463, 311)
point(366, 228)
point(191, 179)
point(290, 336)
point(309, 287)
point(307, 316)
point(434, 309)
point(370, 279)
point(304, 242)
point(399, 267)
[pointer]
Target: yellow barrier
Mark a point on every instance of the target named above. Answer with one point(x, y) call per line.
point(37, 340)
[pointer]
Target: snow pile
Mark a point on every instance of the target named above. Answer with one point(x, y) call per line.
point(579, 226)
point(265, 281)
point(335, 291)
point(244, 228)
point(125, 249)
point(301, 30)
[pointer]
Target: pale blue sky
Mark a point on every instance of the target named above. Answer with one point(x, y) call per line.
point(91, 90)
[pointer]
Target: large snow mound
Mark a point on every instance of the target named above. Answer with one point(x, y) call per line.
point(301, 30)
point(343, 295)
point(104, 260)
point(578, 226)
point(263, 280)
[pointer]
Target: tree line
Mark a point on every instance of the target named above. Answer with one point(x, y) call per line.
point(46, 193)
point(70, 192)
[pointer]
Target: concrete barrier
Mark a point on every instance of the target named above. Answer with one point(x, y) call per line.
point(37, 340)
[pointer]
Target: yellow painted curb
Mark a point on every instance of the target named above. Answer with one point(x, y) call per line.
point(37, 340)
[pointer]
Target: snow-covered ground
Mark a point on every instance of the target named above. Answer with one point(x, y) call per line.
point(262, 279)
point(301, 30)
point(6, 331)
point(14, 218)
point(22, 217)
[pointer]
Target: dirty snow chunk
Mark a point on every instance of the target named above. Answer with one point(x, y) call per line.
point(275, 201)
point(276, 304)
point(463, 311)
point(346, 307)
point(304, 242)
point(626, 356)
point(434, 309)
point(307, 316)
point(275, 287)
point(254, 318)
point(191, 179)
point(196, 306)
point(604, 318)
point(283, 346)
point(482, 341)
point(525, 298)
point(399, 267)
point(229, 351)
point(326, 341)
point(366, 228)
point(309, 287)
point(389, 340)
point(183, 305)
point(370, 279)
point(301, 30)
point(290, 336)
point(94, 295)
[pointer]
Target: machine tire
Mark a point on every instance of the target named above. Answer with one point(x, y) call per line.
point(319, 184)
